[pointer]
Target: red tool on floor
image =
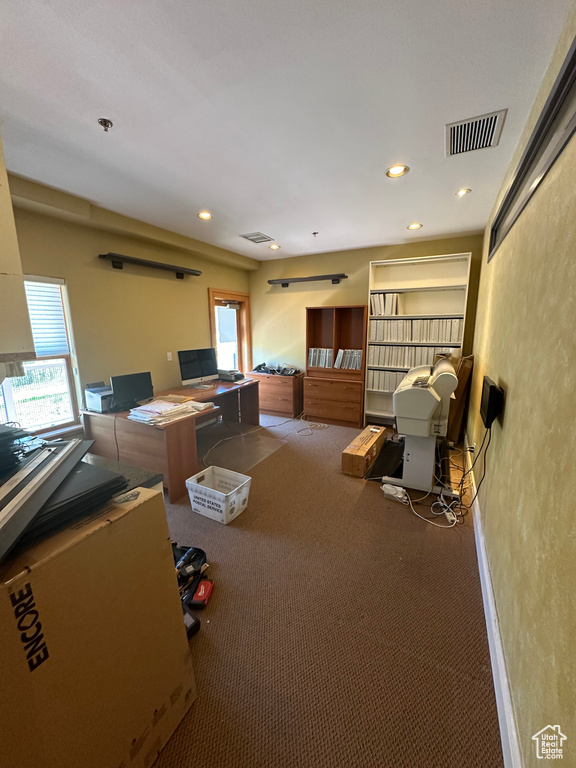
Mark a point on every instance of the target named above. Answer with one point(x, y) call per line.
point(195, 588)
point(202, 594)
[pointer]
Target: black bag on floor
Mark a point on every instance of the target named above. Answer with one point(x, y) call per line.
point(190, 564)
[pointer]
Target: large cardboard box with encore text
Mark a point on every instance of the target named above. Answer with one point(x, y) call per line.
point(95, 668)
point(358, 457)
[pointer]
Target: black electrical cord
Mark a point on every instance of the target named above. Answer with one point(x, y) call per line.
point(469, 506)
point(457, 506)
point(116, 439)
point(476, 457)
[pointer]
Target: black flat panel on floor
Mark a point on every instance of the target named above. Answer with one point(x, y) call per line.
point(10, 442)
point(84, 490)
point(137, 477)
point(13, 528)
point(389, 461)
point(84, 479)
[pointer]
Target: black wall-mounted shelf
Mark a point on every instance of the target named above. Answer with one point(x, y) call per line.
point(118, 260)
point(285, 281)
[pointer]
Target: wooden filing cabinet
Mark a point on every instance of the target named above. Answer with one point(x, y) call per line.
point(279, 395)
point(333, 400)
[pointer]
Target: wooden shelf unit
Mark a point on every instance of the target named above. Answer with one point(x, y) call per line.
point(426, 316)
point(335, 394)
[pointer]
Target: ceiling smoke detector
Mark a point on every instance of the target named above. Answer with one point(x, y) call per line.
point(257, 237)
point(105, 123)
point(474, 133)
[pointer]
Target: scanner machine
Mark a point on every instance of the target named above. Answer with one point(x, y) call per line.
point(421, 404)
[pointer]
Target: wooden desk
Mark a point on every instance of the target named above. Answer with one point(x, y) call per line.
point(171, 448)
point(237, 400)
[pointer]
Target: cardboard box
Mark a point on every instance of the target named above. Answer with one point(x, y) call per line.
point(454, 358)
point(95, 668)
point(362, 452)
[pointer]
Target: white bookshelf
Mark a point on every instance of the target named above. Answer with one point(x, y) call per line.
point(417, 309)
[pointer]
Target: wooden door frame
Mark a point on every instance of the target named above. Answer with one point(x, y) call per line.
point(244, 324)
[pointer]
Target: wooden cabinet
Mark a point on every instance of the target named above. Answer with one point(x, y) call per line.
point(336, 346)
point(279, 395)
point(417, 311)
point(333, 400)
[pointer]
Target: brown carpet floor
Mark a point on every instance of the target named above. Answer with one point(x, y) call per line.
point(343, 632)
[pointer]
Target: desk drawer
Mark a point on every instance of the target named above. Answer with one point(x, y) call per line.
point(274, 402)
point(332, 389)
point(332, 409)
point(273, 383)
point(279, 389)
point(278, 382)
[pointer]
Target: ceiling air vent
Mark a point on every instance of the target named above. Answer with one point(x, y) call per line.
point(475, 133)
point(257, 237)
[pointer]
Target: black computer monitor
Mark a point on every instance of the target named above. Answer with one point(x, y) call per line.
point(197, 365)
point(131, 389)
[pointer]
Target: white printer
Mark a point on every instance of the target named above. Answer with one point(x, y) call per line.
point(422, 400)
point(99, 397)
point(421, 404)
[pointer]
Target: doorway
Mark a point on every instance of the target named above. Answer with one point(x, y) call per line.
point(230, 329)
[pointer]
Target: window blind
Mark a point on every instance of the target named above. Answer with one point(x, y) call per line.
point(47, 318)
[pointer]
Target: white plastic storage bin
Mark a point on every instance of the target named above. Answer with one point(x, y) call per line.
point(219, 493)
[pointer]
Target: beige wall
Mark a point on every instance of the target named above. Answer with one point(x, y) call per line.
point(278, 314)
point(32, 196)
point(124, 321)
point(525, 341)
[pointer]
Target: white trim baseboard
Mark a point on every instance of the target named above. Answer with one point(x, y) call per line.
point(508, 730)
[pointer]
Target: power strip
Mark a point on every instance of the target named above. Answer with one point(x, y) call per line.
point(394, 492)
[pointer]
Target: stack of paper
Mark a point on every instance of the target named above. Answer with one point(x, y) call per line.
point(163, 411)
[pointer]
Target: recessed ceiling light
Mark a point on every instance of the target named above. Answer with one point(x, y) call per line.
point(397, 170)
point(205, 215)
point(274, 246)
point(415, 225)
point(463, 192)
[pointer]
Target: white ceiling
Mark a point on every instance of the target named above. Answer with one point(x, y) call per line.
point(279, 116)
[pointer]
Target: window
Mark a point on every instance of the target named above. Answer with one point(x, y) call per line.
point(230, 328)
point(227, 336)
point(43, 398)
